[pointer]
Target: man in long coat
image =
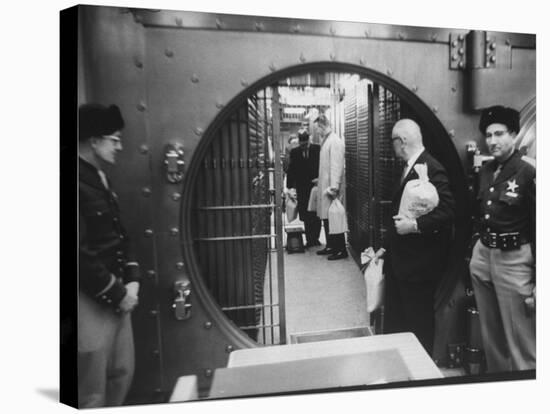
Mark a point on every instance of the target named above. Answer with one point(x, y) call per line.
point(330, 185)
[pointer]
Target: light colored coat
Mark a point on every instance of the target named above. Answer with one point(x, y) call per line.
point(331, 172)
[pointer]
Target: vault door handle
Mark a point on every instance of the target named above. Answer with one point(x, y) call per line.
point(181, 305)
point(174, 163)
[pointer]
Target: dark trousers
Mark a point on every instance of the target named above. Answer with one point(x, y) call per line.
point(409, 307)
point(337, 242)
point(312, 226)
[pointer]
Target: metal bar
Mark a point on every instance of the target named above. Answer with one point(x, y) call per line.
point(217, 255)
point(236, 207)
point(253, 145)
point(258, 326)
point(246, 174)
point(327, 28)
point(278, 216)
point(375, 127)
point(229, 308)
point(228, 249)
point(373, 168)
point(214, 222)
point(233, 238)
point(267, 177)
point(201, 196)
point(240, 293)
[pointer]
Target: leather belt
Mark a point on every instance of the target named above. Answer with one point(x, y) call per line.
point(503, 241)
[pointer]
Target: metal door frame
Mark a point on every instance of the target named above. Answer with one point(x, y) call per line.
point(189, 256)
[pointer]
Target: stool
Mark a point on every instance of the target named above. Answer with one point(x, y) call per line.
point(294, 240)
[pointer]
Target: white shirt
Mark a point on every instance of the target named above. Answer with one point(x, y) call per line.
point(103, 178)
point(411, 161)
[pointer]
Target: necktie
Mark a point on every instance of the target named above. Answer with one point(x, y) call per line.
point(497, 172)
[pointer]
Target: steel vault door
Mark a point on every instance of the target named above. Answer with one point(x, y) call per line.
point(237, 230)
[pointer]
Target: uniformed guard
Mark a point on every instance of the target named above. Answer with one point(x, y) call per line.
point(503, 259)
point(108, 274)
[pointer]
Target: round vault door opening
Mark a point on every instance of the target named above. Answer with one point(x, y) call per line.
point(234, 217)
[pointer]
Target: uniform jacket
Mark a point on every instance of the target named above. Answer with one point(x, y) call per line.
point(507, 204)
point(331, 171)
point(422, 256)
point(300, 173)
point(105, 260)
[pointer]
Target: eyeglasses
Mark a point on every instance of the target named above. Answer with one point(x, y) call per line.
point(116, 140)
point(496, 134)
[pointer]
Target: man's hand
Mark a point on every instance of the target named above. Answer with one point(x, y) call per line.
point(130, 301)
point(404, 225)
point(132, 288)
point(315, 181)
point(332, 192)
point(531, 301)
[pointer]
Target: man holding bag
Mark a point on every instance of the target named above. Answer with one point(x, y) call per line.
point(417, 246)
point(331, 178)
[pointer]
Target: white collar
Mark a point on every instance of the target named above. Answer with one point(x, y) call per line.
point(414, 157)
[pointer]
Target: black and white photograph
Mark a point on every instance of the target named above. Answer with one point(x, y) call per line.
point(292, 207)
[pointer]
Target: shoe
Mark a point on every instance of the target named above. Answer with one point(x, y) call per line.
point(338, 255)
point(325, 251)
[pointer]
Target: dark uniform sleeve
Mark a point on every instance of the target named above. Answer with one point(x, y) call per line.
point(443, 215)
point(532, 206)
point(94, 278)
point(131, 267)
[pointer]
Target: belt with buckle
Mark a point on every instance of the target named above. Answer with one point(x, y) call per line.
point(503, 241)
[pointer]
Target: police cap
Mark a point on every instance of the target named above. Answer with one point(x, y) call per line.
point(96, 120)
point(499, 115)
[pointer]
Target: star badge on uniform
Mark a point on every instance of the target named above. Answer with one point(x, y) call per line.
point(512, 186)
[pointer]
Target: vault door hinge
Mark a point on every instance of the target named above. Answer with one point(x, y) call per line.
point(476, 49)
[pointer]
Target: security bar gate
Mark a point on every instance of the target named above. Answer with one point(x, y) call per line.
point(238, 233)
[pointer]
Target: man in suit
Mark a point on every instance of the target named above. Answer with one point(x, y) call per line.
point(503, 259)
point(417, 248)
point(303, 171)
point(108, 273)
point(331, 180)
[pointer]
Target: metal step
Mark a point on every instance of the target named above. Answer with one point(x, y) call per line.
point(303, 337)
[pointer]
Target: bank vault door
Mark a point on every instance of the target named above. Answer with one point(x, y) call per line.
point(237, 233)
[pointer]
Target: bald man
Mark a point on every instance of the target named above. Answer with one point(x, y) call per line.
point(417, 249)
